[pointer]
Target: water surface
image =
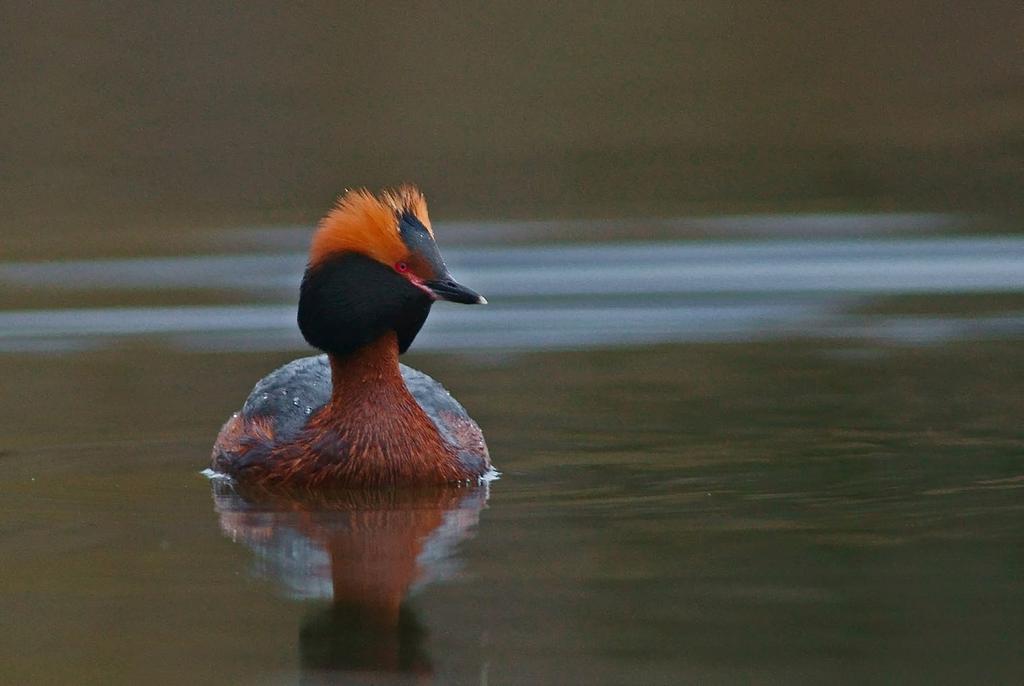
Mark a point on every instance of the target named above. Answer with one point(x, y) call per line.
point(702, 481)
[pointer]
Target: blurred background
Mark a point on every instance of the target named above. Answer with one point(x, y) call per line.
point(129, 127)
point(751, 368)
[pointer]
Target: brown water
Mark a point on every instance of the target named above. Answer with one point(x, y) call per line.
point(133, 128)
point(789, 512)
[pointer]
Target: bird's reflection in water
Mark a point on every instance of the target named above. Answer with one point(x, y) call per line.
point(361, 550)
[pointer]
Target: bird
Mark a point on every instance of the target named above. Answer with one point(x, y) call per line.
point(354, 416)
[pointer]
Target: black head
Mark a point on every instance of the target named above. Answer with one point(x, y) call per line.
point(374, 268)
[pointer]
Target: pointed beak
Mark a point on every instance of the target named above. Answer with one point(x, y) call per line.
point(447, 288)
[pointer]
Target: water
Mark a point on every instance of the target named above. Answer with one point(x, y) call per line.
point(722, 462)
point(561, 296)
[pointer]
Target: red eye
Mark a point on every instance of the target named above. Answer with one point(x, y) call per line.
point(401, 267)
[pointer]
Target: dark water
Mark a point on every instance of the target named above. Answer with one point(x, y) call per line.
point(148, 124)
point(771, 474)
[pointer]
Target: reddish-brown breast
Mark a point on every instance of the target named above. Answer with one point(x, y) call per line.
point(371, 432)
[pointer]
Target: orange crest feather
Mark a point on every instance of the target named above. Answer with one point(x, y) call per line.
point(367, 224)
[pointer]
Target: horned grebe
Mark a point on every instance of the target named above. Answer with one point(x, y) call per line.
point(355, 416)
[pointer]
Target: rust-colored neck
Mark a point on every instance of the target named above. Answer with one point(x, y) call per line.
point(379, 426)
point(369, 374)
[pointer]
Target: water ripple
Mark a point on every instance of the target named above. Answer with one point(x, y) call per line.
point(563, 296)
